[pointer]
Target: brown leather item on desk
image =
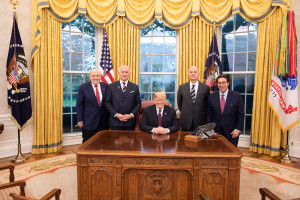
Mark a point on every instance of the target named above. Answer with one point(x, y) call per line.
point(136, 165)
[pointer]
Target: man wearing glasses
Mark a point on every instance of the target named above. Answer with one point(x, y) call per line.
point(226, 109)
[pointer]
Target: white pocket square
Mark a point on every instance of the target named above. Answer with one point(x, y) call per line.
point(131, 91)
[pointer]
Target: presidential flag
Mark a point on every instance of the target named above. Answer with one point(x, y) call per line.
point(18, 89)
point(106, 68)
point(213, 66)
point(283, 95)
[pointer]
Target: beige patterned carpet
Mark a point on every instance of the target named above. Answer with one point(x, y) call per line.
point(60, 172)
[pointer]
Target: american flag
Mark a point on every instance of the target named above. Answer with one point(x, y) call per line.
point(106, 68)
point(210, 81)
point(13, 79)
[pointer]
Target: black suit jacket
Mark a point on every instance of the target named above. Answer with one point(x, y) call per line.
point(123, 103)
point(189, 111)
point(88, 110)
point(150, 120)
point(233, 114)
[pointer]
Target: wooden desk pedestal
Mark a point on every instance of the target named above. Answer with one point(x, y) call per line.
point(135, 165)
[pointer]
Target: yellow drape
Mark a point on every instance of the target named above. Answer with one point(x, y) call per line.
point(266, 135)
point(175, 13)
point(47, 67)
point(124, 41)
point(194, 42)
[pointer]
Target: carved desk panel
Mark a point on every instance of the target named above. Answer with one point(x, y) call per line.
point(131, 165)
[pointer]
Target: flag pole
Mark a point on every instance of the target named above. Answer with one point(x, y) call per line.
point(286, 158)
point(19, 157)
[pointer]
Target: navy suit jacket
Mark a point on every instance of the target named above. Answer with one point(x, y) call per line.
point(88, 110)
point(150, 120)
point(123, 103)
point(233, 114)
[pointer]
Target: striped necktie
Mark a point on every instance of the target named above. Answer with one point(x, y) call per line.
point(124, 87)
point(193, 95)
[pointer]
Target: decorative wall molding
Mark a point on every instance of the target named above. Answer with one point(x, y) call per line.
point(244, 141)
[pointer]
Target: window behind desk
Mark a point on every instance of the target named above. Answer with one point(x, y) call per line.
point(238, 54)
point(158, 71)
point(78, 45)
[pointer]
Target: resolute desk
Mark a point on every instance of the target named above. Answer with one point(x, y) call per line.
point(136, 165)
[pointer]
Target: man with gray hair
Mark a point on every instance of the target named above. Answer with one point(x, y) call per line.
point(123, 101)
point(92, 115)
point(159, 118)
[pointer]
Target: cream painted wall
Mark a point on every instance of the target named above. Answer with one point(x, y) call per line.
point(8, 139)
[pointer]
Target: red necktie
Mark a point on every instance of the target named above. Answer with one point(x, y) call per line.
point(97, 95)
point(159, 117)
point(222, 103)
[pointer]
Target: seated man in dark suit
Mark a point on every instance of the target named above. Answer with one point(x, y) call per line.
point(159, 118)
point(226, 109)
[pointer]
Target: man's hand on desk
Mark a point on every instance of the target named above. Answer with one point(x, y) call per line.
point(160, 130)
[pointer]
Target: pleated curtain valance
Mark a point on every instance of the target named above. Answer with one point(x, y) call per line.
point(141, 13)
point(175, 13)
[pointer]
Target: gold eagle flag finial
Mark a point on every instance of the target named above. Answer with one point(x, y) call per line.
point(288, 6)
point(14, 3)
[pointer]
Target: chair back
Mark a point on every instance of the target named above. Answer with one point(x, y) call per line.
point(139, 115)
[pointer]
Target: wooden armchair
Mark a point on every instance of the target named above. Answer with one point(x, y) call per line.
point(53, 193)
point(264, 192)
point(12, 183)
point(204, 197)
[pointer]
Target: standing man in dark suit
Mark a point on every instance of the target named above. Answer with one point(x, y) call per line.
point(192, 100)
point(226, 109)
point(92, 115)
point(159, 118)
point(123, 101)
